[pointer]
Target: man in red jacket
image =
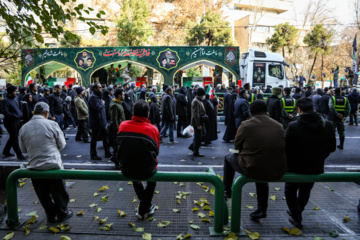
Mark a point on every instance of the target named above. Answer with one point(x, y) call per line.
point(139, 144)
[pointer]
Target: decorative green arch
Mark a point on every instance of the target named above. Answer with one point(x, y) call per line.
point(167, 60)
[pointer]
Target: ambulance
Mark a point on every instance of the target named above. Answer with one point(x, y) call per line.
point(263, 68)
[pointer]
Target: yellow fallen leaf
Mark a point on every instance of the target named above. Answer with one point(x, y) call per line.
point(19, 209)
point(101, 221)
point(121, 213)
point(295, 231)
point(64, 155)
point(277, 189)
point(231, 236)
point(103, 188)
point(201, 215)
point(96, 218)
point(140, 229)
point(249, 207)
point(63, 237)
point(205, 220)
point(22, 184)
point(9, 236)
point(195, 227)
point(54, 230)
point(182, 184)
point(98, 209)
point(135, 200)
point(36, 202)
point(130, 183)
point(42, 227)
point(346, 218)
point(207, 207)
point(176, 210)
point(163, 224)
point(179, 237)
point(96, 194)
point(191, 221)
point(199, 183)
point(175, 182)
point(72, 200)
point(105, 198)
point(316, 208)
point(178, 201)
point(32, 219)
point(187, 236)
point(80, 213)
point(131, 224)
point(146, 236)
point(211, 214)
point(273, 197)
point(253, 195)
point(212, 191)
point(93, 205)
point(252, 235)
point(156, 192)
point(27, 230)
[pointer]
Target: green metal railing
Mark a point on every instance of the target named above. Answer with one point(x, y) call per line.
point(236, 193)
point(209, 176)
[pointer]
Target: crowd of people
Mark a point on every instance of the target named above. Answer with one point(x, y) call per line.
point(265, 133)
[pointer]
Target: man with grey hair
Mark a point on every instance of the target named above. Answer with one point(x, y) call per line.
point(42, 140)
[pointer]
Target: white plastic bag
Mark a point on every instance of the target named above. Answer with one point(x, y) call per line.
point(188, 131)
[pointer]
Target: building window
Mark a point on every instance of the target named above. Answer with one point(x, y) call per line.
point(262, 29)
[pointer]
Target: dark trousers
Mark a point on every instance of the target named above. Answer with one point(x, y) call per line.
point(353, 117)
point(145, 195)
point(182, 122)
point(96, 134)
point(13, 127)
point(297, 196)
point(231, 165)
point(53, 196)
point(83, 131)
point(195, 145)
point(60, 120)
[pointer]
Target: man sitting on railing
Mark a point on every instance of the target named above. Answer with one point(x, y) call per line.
point(42, 140)
point(261, 145)
point(319, 135)
point(138, 146)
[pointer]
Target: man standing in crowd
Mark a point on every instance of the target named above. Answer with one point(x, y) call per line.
point(83, 115)
point(35, 96)
point(43, 140)
point(354, 104)
point(63, 93)
point(197, 112)
point(319, 135)
point(261, 160)
point(98, 122)
point(324, 104)
point(45, 97)
point(274, 105)
point(181, 111)
point(227, 96)
point(289, 108)
point(168, 109)
point(56, 107)
point(339, 108)
point(12, 116)
point(242, 111)
point(139, 143)
point(297, 94)
point(127, 74)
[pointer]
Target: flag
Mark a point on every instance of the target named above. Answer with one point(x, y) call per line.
point(28, 80)
point(354, 68)
point(210, 91)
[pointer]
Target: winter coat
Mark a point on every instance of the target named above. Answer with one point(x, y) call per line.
point(11, 109)
point(197, 110)
point(107, 100)
point(181, 102)
point(67, 109)
point(117, 115)
point(261, 144)
point(324, 104)
point(56, 104)
point(63, 95)
point(211, 125)
point(168, 108)
point(154, 115)
point(97, 115)
point(227, 96)
point(297, 96)
point(242, 111)
point(127, 105)
point(81, 108)
point(275, 108)
point(320, 140)
point(132, 96)
point(316, 100)
point(354, 98)
point(230, 131)
point(139, 143)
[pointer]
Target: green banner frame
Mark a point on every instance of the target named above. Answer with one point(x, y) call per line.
point(167, 59)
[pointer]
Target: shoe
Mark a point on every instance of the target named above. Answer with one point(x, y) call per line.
point(152, 209)
point(78, 140)
point(66, 138)
point(166, 135)
point(218, 131)
point(295, 223)
point(258, 214)
point(96, 157)
point(67, 129)
point(190, 148)
point(68, 215)
point(198, 155)
point(108, 155)
point(340, 147)
point(52, 220)
point(86, 141)
point(350, 124)
point(173, 142)
point(8, 154)
point(141, 216)
point(161, 140)
point(21, 157)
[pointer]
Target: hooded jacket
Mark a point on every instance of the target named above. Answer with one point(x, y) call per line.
point(320, 138)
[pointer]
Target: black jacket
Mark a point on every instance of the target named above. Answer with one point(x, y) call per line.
point(63, 95)
point(354, 100)
point(168, 108)
point(67, 109)
point(127, 105)
point(181, 102)
point(324, 104)
point(154, 115)
point(296, 96)
point(11, 109)
point(275, 108)
point(320, 138)
point(55, 104)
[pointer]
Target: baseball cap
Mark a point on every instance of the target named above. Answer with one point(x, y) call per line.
point(41, 106)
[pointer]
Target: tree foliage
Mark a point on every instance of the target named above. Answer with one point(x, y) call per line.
point(284, 36)
point(72, 41)
point(132, 23)
point(193, 72)
point(212, 28)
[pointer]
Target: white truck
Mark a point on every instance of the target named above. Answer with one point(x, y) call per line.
point(263, 68)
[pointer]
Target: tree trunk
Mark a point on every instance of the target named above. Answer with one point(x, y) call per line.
point(283, 50)
point(312, 67)
point(322, 68)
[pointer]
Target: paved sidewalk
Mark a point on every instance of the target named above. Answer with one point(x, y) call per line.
point(333, 206)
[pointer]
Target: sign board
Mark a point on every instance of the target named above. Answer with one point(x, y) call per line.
point(2, 82)
point(259, 74)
